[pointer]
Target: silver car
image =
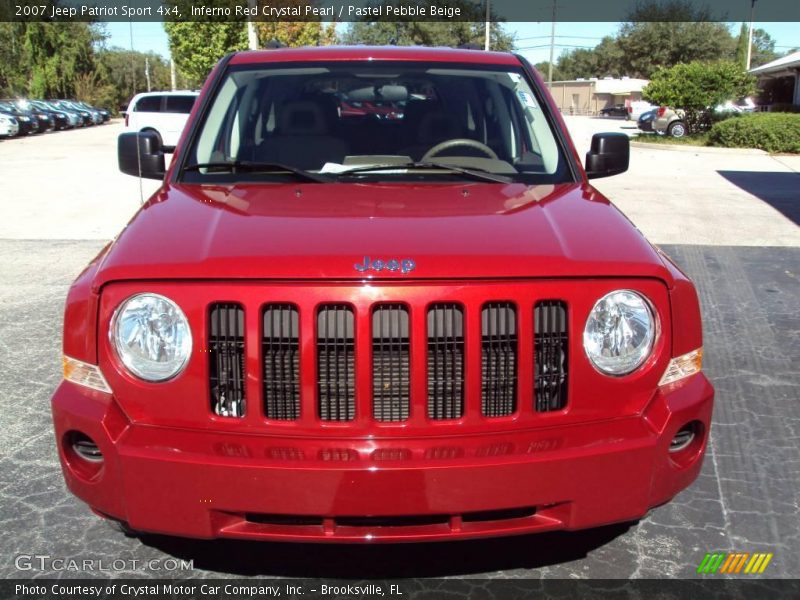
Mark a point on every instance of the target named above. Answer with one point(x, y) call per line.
point(670, 122)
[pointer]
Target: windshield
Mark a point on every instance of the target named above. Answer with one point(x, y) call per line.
point(339, 119)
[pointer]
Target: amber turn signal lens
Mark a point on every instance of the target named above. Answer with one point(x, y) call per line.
point(683, 366)
point(85, 374)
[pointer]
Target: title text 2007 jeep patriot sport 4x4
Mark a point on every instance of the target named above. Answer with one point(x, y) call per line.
point(376, 299)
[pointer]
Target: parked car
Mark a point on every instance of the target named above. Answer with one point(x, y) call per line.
point(58, 119)
point(99, 115)
point(637, 108)
point(9, 126)
point(743, 105)
point(645, 121)
point(71, 118)
point(26, 122)
point(360, 330)
point(617, 110)
point(86, 116)
point(164, 113)
point(670, 122)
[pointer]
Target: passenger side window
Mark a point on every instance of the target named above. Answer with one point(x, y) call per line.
point(149, 104)
point(180, 104)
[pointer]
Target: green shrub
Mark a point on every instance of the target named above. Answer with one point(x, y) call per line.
point(773, 132)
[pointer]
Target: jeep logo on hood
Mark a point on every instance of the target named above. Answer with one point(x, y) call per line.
point(405, 265)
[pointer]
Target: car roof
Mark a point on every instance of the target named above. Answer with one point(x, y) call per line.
point(382, 53)
point(168, 93)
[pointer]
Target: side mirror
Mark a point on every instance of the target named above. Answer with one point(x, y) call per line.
point(609, 155)
point(139, 154)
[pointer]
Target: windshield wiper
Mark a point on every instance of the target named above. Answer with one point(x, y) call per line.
point(474, 173)
point(258, 167)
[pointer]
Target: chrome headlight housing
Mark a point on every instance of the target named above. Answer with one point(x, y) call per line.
point(151, 337)
point(620, 332)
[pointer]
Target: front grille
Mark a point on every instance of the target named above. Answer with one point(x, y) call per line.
point(226, 359)
point(281, 356)
point(445, 361)
point(410, 365)
point(336, 381)
point(390, 368)
point(550, 355)
point(498, 359)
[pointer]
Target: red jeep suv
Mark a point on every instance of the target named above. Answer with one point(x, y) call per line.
point(330, 326)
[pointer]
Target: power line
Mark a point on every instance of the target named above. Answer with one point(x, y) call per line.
point(575, 37)
point(556, 45)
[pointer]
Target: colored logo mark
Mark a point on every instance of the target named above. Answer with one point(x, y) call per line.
point(735, 563)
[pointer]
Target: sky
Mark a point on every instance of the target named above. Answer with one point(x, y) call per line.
point(533, 39)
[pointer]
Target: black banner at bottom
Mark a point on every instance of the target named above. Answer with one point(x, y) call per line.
point(401, 589)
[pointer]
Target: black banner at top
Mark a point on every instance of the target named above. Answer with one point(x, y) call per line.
point(400, 10)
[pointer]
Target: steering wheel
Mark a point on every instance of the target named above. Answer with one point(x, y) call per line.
point(447, 144)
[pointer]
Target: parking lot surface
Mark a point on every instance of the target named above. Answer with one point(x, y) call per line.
point(730, 221)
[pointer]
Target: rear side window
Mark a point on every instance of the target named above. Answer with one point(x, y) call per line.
point(180, 104)
point(149, 104)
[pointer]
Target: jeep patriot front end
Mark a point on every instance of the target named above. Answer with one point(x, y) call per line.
point(376, 299)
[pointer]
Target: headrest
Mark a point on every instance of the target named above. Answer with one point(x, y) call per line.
point(301, 118)
point(438, 126)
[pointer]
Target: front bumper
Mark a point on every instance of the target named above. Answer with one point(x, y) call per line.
point(207, 485)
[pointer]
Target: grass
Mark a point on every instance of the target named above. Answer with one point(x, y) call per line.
point(699, 139)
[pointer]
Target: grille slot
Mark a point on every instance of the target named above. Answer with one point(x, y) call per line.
point(226, 357)
point(336, 363)
point(281, 366)
point(550, 360)
point(390, 363)
point(498, 359)
point(445, 361)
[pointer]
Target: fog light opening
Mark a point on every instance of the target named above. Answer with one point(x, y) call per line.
point(688, 438)
point(682, 439)
point(85, 447)
point(82, 455)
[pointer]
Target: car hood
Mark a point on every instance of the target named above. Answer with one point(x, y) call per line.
point(321, 231)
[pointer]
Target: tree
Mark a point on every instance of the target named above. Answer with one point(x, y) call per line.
point(544, 68)
point(197, 46)
point(13, 77)
point(655, 35)
point(698, 87)
point(426, 33)
point(406, 32)
point(763, 49)
point(647, 46)
point(124, 70)
point(297, 33)
point(54, 55)
point(602, 61)
point(741, 45)
point(308, 32)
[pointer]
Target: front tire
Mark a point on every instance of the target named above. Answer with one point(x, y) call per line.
point(676, 129)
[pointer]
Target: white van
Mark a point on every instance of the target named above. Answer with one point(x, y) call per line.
point(163, 112)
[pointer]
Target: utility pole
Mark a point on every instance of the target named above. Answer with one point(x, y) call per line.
point(173, 74)
point(750, 34)
point(147, 71)
point(133, 62)
point(552, 47)
point(252, 34)
point(488, 37)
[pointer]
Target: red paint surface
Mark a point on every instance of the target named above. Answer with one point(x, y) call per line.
point(171, 466)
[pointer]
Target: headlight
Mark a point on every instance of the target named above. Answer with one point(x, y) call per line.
point(151, 336)
point(619, 332)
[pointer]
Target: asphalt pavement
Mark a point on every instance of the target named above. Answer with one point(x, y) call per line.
point(729, 221)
